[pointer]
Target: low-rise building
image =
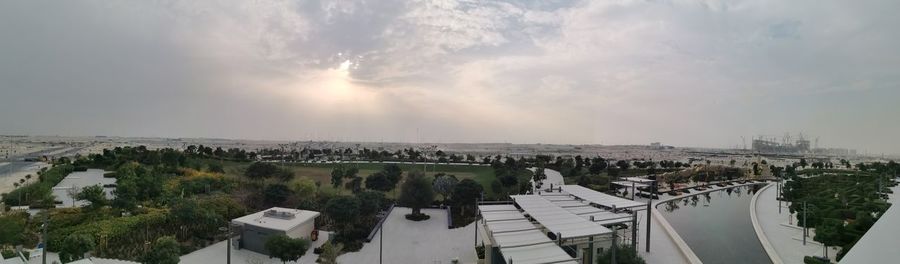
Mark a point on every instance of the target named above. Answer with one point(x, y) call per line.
point(256, 228)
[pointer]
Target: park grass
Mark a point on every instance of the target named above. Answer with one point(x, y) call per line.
point(321, 172)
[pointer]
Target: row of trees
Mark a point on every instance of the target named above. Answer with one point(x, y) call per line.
point(840, 205)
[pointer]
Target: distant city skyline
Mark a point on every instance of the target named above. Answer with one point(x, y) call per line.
point(684, 73)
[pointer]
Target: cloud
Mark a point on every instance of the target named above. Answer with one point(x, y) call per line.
point(686, 72)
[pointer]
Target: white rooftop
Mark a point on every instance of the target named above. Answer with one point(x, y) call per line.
point(79, 180)
point(630, 184)
point(638, 179)
point(277, 223)
point(519, 239)
point(587, 211)
point(556, 219)
point(599, 198)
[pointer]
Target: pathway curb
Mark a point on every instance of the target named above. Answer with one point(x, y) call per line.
point(773, 255)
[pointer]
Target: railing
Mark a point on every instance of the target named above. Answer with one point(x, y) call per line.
point(380, 223)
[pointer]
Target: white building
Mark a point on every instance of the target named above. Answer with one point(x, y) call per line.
point(256, 228)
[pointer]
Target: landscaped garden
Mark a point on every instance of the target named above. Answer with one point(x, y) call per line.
point(840, 204)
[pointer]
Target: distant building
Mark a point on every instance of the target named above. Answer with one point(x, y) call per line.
point(256, 228)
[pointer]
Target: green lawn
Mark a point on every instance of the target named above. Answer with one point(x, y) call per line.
point(321, 172)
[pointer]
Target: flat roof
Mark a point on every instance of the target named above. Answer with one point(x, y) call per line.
point(630, 184)
point(600, 198)
point(261, 220)
point(638, 179)
point(537, 254)
point(556, 219)
point(589, 212)
point(519, 239)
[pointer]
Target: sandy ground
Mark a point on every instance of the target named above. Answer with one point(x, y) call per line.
point(11, 172)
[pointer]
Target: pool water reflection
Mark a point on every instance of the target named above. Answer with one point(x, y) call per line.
point(716, 225)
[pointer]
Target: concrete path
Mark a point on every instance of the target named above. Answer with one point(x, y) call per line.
point(785, 238)
point(553, 177)
point(428, 242)
point(663, 248)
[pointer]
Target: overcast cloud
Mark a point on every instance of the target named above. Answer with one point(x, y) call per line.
point(683, 72)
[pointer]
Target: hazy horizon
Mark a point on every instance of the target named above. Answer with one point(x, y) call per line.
point(682, 72)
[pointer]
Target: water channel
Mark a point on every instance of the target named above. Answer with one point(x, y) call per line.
point(716, 225)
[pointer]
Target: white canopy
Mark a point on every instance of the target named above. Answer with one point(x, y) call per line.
point(638, 179)
point(556, 219)
point(587, 211)
point(542, 253)
point(599, 198)
point(630, 184)
point(519, 239)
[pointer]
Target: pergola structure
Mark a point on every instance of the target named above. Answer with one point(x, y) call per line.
point(517, 239)
point(601, 199)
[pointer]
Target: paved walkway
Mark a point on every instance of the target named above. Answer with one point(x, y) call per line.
point(553, 177)
point(785, 238)
point(427, 242)
point(662, 246)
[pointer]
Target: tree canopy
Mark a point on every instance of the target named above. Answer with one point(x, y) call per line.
point(75, 246)
point(285, 248)
point(416, 192)
point(342, 209)
point(94, 194)
point(165, 251)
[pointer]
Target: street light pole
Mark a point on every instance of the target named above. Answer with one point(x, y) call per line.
point(804, 223)
point(44, 236)
point(381, 244)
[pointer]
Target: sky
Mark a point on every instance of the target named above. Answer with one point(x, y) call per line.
point(681, 72)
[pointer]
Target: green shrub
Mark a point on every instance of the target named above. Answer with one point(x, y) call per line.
point(814, 260)
point(624, 255)
point(7, 253)
point(12, 228)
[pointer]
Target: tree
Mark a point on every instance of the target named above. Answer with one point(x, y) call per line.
point(622, 164)
point(355, 184)
point(165, 251)
point(305, 188)
point(443, 185)
point(394, 173)
point(379, 181)
point(330, 252)
point(803, 163)
point(285, 248)
point(94, 194)
point(276, 194)
point(350, 172)
point(126, 193)
point(466, 193)
point(597, 167)
point(261, 170)
point(342, 209)
point(12, 228)
point(337, 177)
point(416, 193)
point(75, 246)
point(496, 187)
point(370, 202)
